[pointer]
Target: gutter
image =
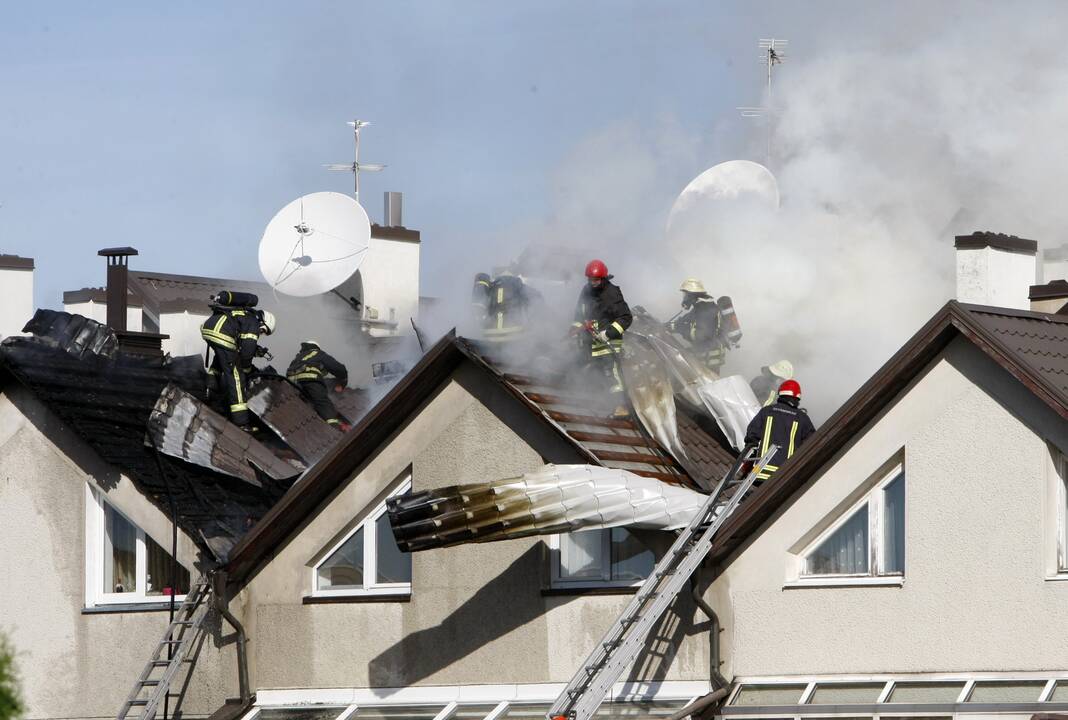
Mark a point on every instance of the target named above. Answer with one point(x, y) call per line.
point(218, 582)
point(714, 676)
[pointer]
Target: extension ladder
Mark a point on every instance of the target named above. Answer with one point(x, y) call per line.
point(172, 653)
point(621, 645)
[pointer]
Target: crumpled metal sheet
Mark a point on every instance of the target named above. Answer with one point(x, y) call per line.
point(553, 499)
point(183, 427)
point(283, 408)
point(75, 334)
point(725, 400)
point(651, 394)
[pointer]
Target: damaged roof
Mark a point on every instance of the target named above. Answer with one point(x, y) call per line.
point(1032, 347)
point(125, 406)
point(600, 441)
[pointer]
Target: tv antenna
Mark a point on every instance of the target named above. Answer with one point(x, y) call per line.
point(771, 54)
point(356, 167)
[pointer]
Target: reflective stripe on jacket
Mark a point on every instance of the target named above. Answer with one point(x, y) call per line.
point(783, 425)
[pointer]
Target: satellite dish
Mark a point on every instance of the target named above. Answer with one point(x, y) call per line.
point(314, 244)
point(724, 187)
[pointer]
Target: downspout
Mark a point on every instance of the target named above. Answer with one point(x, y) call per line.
point(218, 583)
point(714, 677)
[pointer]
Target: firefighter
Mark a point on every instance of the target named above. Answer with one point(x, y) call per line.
point(232, 335)
point(480, 297)
point(510, 301)
point(784, 424)
point(601, 318)
point(766, 385)
point(309, 370)
point(701, 325)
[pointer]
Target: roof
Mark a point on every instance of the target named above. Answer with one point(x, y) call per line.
point(1032, 347)
point(1052, 290)
point(998, 241)
point(600, 441)
point(14, 262)
point(222, 480)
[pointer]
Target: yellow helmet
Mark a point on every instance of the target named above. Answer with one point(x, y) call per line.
point(692, 285)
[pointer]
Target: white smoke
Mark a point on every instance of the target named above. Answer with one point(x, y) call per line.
point(954, 123)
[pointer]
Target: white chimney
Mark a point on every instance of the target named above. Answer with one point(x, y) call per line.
point(995, 269)
point(16, 293)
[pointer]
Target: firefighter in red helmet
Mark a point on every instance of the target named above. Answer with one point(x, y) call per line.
point(784, 424)
point(601, 318)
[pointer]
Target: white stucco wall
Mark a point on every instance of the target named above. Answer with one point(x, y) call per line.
point(391, 281)
point(99, 312)
point(989, 276)
point(979, 544)
point(72, 664)
point(16, 300)
point(477, 614)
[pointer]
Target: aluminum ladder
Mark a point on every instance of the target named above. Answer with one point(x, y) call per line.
point(171, 654)
point(624, 640)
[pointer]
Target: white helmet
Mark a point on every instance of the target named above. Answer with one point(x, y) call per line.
point(312, 342)
point(783, 369)
point(692, 285)
point(268, 321)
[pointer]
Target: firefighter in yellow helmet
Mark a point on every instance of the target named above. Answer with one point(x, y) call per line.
point(766, 385)
point(701, 325)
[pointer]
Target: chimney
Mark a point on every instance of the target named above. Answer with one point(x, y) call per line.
point(138, 343)
point(1055, 263)
point(16, 293)
point(995, 269)
point(391, 216)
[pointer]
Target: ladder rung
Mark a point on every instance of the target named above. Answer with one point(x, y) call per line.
point(147, 683)
point(138, 703)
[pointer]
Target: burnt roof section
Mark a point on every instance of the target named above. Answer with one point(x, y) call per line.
point(14, 262)
point(1033, 347)
point(998, 241)
point(387, 416)
point(1052, 290)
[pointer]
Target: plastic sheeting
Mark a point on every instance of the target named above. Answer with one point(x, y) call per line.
point(553, 499)
point(732, 403)
point(650, 391)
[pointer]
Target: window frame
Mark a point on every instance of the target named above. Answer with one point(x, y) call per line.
point(875, 499)
point(95, 522)
point(370, 555)
point(1060, 493)
point(558, 582)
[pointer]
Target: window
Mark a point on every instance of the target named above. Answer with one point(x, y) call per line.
point(599, 558)
point(1060, 470)
point(123, 564)
point(367, 561)
point(869, 540)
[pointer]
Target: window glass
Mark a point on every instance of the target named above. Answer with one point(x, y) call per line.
point(845, 552)
point(637, 710)
point(477, 712)
point(344, 569)
point(846, 693)
point(394, 566)
point(529, 712)
point(1061, 464)
point(1060, 692)
point(1006, 691)
point(307, 713)
point(631, 558)
point(159, 567)
point(120, 553)
point(582, 555)
point(402, 712)
point(925, 692)
point(894, 526)
point(769, 695)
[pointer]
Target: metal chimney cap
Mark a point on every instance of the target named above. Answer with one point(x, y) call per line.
point(117, 252)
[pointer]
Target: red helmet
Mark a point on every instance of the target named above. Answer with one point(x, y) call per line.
point(791, 388)
point(596, 269)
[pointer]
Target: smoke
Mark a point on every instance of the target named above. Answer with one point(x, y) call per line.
point(954, 122)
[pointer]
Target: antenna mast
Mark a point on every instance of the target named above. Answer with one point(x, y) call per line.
point(771, 54)
point(356, 167)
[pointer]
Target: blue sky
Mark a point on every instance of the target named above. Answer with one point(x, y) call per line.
point(181, 128)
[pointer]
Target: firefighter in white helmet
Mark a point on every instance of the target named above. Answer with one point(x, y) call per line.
point(766, 385)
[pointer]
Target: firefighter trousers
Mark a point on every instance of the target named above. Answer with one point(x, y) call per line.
point(226, 378)
point(316, 392)
point(608, 367)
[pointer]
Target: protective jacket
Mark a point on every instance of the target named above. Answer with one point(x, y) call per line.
point(480, 296)
point(604, 310)
point(312, 364)
point(702, 326)
point(509, 303)
point(782, 424)
point(232, 335)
